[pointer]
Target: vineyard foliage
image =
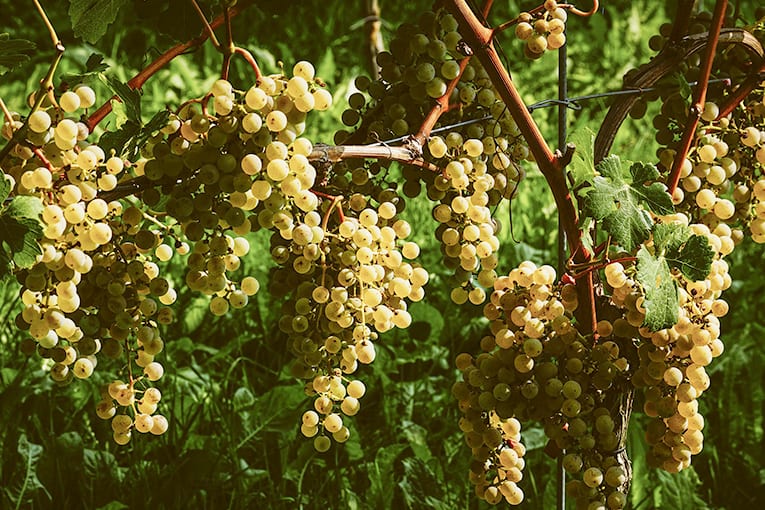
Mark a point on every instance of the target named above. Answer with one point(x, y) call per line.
point(250, 261)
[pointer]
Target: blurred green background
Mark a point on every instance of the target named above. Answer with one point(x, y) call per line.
point(234, 440)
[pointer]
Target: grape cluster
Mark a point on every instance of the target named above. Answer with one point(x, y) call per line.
point(536, 366)
point(479, 161)
point(672, 363)
point(542, 30)
point(719, 176)
point(350, 280)
point(95, 289)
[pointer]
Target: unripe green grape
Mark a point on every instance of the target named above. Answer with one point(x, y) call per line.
point(322, 443)
point(356, 389)
point(322, 100)
point(592, 477)
point(537, 44)
point(276, 120)
point(218, 306)
point(523, 30)
point(159, 425)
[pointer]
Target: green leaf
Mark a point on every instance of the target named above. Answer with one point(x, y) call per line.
point(25, 207)
point(129, 97)
point(660, 289)
point(690, 253)
point(94, 66)
point(582, 166)
point(18, 240)
point(91, 18)
point(695, 258)
point(621, 200)
point(13, 52)
point(20, 231)
point(5, 188)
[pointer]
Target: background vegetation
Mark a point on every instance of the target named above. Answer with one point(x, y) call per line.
point(234, 411)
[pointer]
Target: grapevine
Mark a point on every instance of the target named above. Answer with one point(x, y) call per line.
point(631, 318)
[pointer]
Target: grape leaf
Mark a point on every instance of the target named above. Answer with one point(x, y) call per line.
point(13, 52)
point(582, 166)
point(5, 187)
point(18, 240)
point(20, 230)
point(660, 290)
point(131, 136)
point(25, 207)
point(695, 258)
point(94, 66)
point(690, 253)
point(621, 200)
point(129, 97)
point(91, 18)
point(675, 246)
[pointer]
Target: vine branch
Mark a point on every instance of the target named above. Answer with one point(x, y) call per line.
point(139, 79)
point(699, 96)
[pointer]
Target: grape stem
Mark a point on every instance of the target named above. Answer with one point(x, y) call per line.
point(247, 56)
point(139, 79)
point(699, 96)
point(208, 29)
point(6, 113)
point(578, 12)
point(228, 49)
point(47, 164)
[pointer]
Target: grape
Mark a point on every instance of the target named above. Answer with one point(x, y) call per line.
point(39, 121)
point(69, 101)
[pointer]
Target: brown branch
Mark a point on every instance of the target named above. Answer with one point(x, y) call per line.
point(681, 21)
point(441, 106)
point(699, 96)
point(404, 154)
point(373, 27)
point(229, 48)
point(208, 29)
point(479, 38)
point(139, 79)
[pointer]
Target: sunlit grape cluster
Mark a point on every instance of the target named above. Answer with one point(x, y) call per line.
point(719, 178)
point(243, 168)
point(95, 289)
point(543, 30)
point(672, 369)
point(350, 278)
point(479, 161)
